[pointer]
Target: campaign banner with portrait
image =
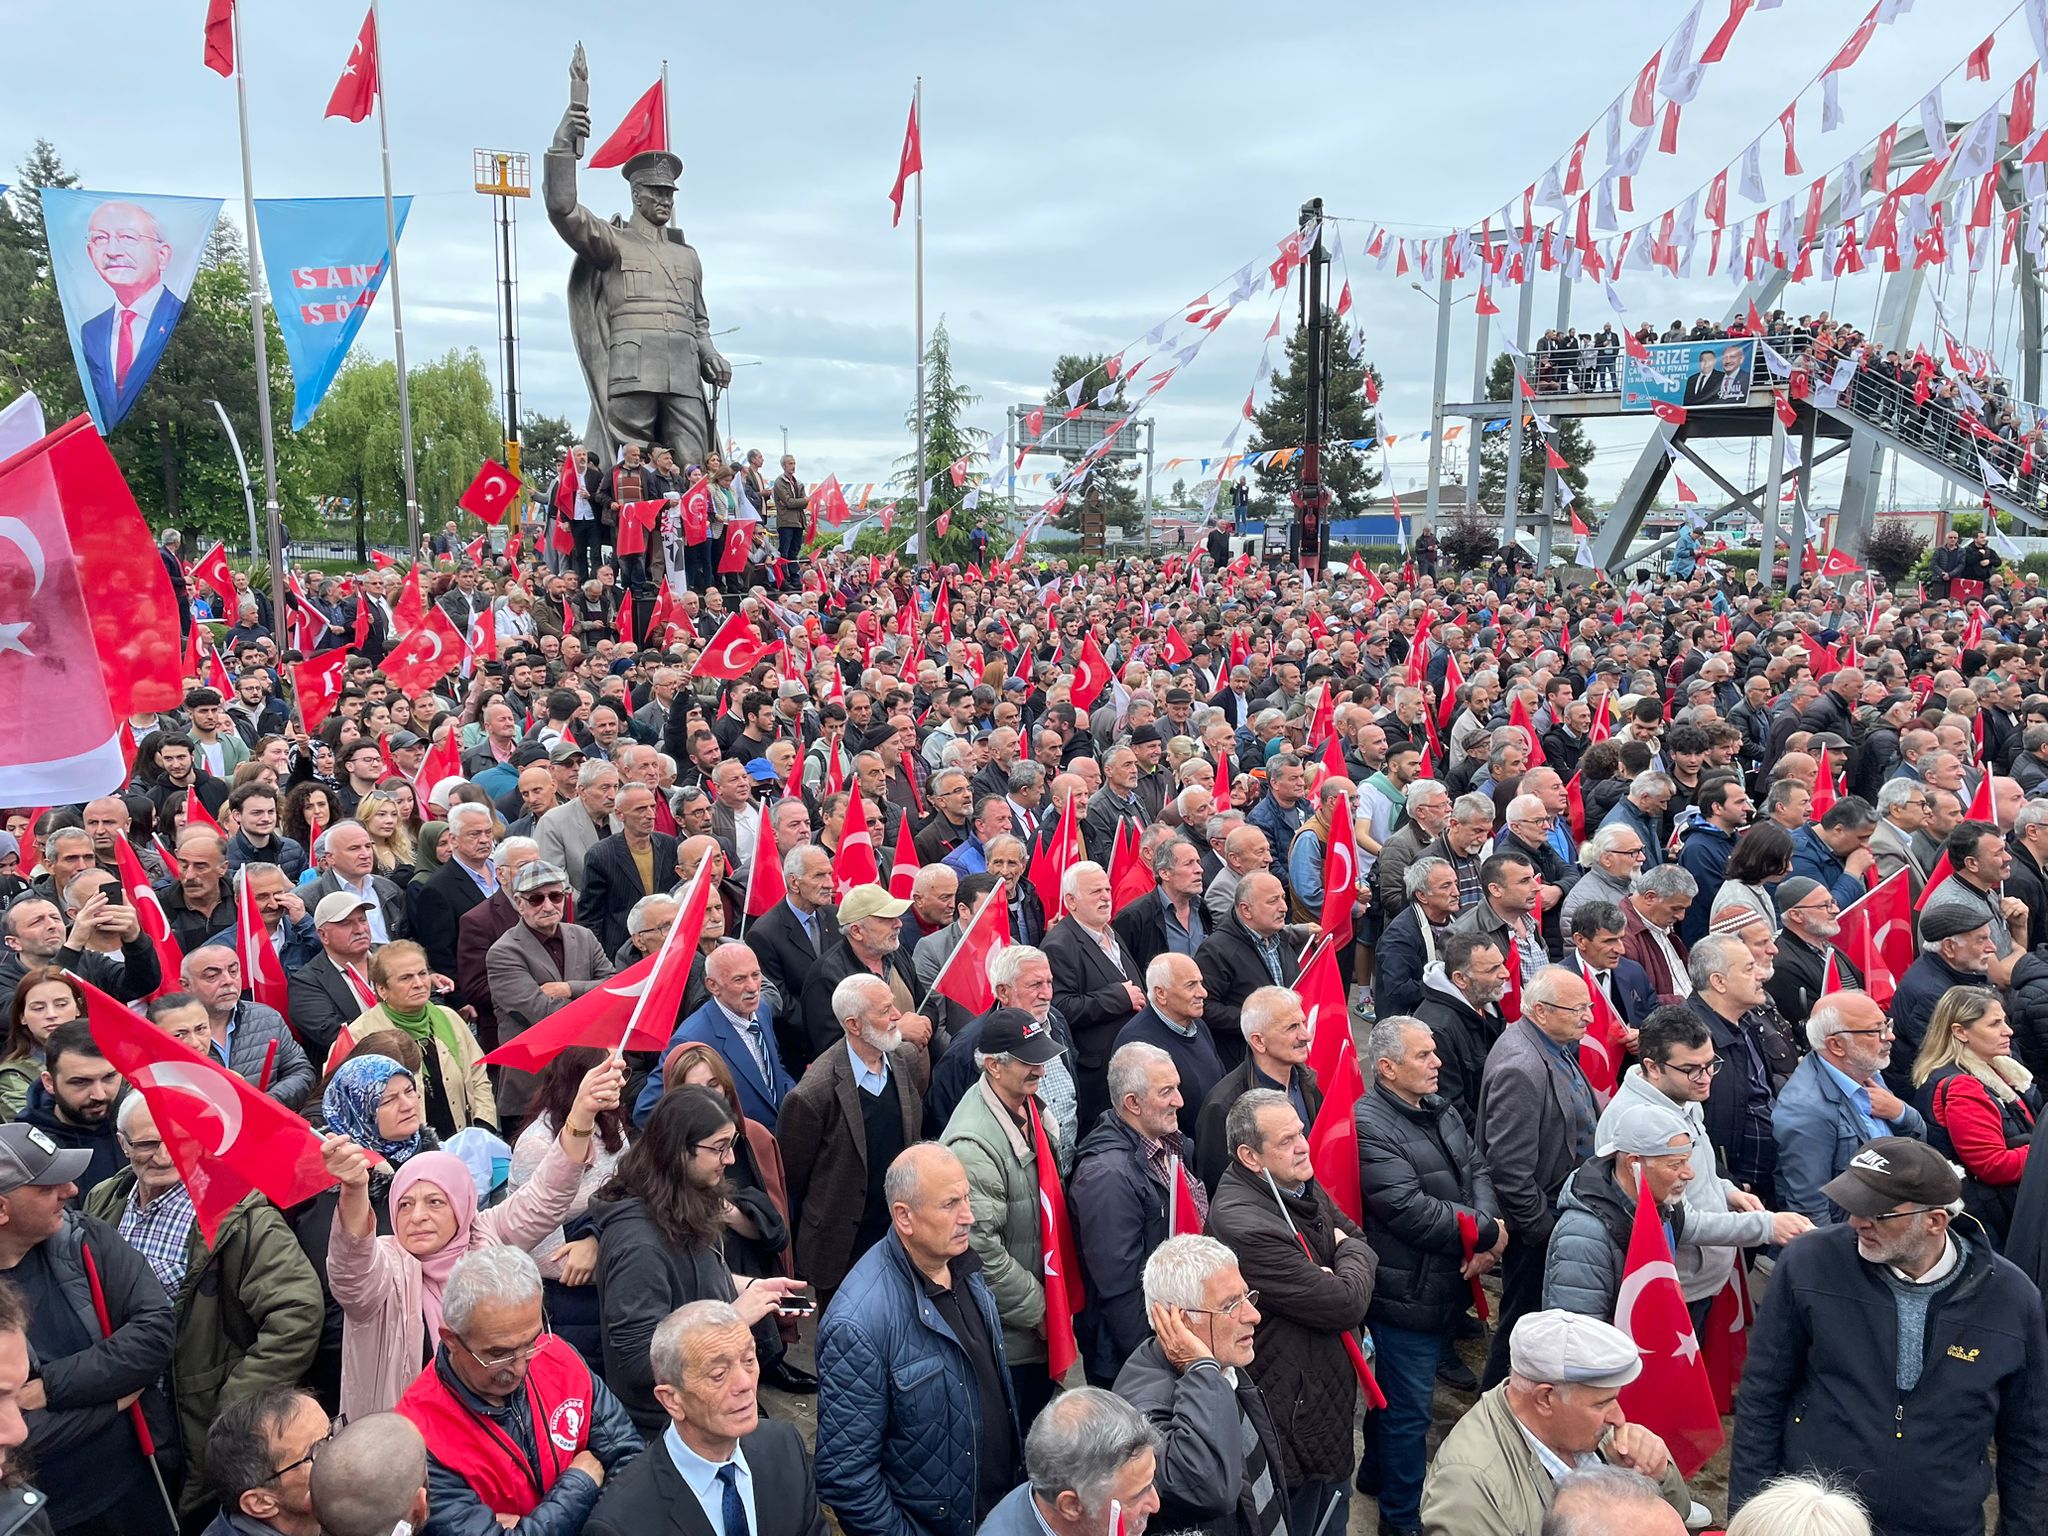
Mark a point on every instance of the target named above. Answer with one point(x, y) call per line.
point(124, 263)
point(1689, 374)
point(326, 257)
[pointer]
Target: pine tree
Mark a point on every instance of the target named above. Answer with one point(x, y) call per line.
point(1570, 441)
point(1116, 479)
point(947, 441)
point(1348, 473)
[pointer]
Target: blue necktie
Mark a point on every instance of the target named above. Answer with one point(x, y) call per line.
point(732, 1507)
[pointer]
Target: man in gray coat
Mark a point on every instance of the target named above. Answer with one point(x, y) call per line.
point(1088, 1449)
point(539, 965)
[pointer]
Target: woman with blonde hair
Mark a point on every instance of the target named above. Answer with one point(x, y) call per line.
point(1980, 1104)
point(383, 815)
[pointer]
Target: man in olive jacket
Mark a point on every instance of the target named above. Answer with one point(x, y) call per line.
point(994, 1133)
point(1307, 1301)
point(248, 1306)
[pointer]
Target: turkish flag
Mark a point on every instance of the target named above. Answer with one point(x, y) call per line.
point(1055, 855)
point(1726, 1345)
point(220, 37)
point(1877, 934)
point(560, 539)
point(1091, 676)
point(1518, 714)
point(1839, 564)
point(908, 164)
point(855, 862)
point(411, 607)
point(1575, 807)
point(316, 684)
point(904, 861)
point(262, 971)
point(1686, 494)
point(356, 91)
point(1823, 788)
point(1783, 407)
point(1447, 706)
point(635, 519)
point(645, 128)
point(473, 551)
point(1333, 1139)
point(964, 976)
point(828, 501)
point(1600, 1048)
point(739, 543)
point(1375, 589)
point(213, 570)
point(732, 651)
point(765, 886)
point(491, 493)
point(1183, 1216)
point(1129, 879)
point(196, 813)
point(1672, 1396)
point(634, 1010)
point(1667, 410)
point(1340, 874)
point(443, 761)
point(1058, 1257)
point(150, 915)
point(1173, 650)
point(1633, 346)
point(425, 656)
point(227, 1139)
point(382, 561)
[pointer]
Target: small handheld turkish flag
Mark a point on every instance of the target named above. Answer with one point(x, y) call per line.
point(1668, 410)
point(731, 651)
point(316, 683)
point(214, 571)
point(1173, 650)
point(355, 93)
point(904, 863)
point(1672, 1396)
point(964, 976)
point(411, 606)
point(765, 886)
point(491, 493)
point(1091, 674)
point(262, 971)
point(1340, 873)
point(426, 655)
point(855, 863)
point(1059, 1258)
point(149, 915)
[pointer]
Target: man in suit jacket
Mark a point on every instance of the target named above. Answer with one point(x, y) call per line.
point(1086, 1416)
point(540, 965)
point(123, 342)
point(567, 833)
point(740, 1026)
point(869, 940)
point(1599, 935)
point(1243, 954)
point(332, 990)
point(481, 927)
point(1170, 916)
point(791, 936)
point(1094, 984)
point(351, 866)
point(719, 1456)
point(465, 881)
point(1536, 1122)
point(1652, 911)
point(615, 869)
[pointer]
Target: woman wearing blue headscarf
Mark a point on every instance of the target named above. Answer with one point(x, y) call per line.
point(375, 1102)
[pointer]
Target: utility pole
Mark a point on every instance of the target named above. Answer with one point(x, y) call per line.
point(1311, 501)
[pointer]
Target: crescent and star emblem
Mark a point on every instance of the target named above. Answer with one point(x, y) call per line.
point(206, 1085)
point(1632, 1287)
point(19, 534)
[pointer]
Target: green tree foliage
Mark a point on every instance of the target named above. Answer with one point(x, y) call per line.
point(1348, 474)
point(544, 441)
point(1115, 479)
point(1570, 441)
point(947, 440)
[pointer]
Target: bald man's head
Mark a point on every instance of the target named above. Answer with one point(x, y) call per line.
point(373, 1476)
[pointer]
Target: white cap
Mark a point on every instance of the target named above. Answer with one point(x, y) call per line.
point(1572, 1349)
point(1643, 1129)
point(442, 794)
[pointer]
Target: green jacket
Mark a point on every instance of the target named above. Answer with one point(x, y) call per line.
point(1003, 1189)
point(248, 1316)
point(16, 1079)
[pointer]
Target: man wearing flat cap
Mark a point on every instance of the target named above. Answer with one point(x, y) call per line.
point(1557, 1413)
point(1892, 1351)
point(1956, 950)
point(636, 301)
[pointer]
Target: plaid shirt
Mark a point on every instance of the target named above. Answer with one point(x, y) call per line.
point(159, 1231)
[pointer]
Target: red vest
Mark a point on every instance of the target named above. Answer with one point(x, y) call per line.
point(558, 1396)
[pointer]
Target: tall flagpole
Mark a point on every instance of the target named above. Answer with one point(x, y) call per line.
point(924, 548)
point(412, 497)
point(278, 594)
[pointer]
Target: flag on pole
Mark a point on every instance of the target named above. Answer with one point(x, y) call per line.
point(964, 975)
point(1091, 676)
point(355, 93)
point(1058, 1257)
point(491, 493)
point(1600, 1048)
point(765, 885)
point(732, 651)
point(908, 164)
point(904, 861)
point(220, 37)
point(227, 1139)
point(855, 863)
point(150, 916)
point(1340, 874)
point(262, 971)
point(1672, 1396)
point(644, 128)
point(1877, 934)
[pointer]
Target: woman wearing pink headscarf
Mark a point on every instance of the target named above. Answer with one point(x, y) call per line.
point(389, 1288)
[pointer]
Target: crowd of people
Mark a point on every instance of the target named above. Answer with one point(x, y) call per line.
point(1954, 406)
point(1061, 1263)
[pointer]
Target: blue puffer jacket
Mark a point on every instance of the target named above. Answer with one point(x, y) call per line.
point(899, 1415)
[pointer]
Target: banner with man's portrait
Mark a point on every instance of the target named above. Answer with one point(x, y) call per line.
point(1689, 374)
point(124, 263)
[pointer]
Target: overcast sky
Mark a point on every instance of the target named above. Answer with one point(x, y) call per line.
point(1089, 170)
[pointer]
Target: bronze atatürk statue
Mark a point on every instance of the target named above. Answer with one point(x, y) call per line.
point(636, 300)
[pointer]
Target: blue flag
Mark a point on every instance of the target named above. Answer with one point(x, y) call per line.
point(326, 257)
point(124, 264)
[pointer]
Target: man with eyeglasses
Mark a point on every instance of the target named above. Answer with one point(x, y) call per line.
point(249, 1303)
point(540, 965)
point(1808, 922)
point(1902, 806)
point(519, 1433)
point(1893, 1352)
point(1836, 1100)
point(260, 1452)
point(1647, 1147)
point(1679, 1069)
point(1192, 1379)
point(1614, 855)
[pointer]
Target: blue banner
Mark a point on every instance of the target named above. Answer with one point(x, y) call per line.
point(326, 257)
point(1689, 373)
point(124, 264)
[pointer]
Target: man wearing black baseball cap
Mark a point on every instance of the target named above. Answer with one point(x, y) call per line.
point(1896, 1346)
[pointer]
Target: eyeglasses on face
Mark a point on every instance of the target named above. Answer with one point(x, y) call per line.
point(1228, 1309)
point(313, 1452)
point(519, 1356)
point(1699, 1072)
point(545, 898)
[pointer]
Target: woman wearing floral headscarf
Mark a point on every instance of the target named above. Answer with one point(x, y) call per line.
point(390, 1287)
